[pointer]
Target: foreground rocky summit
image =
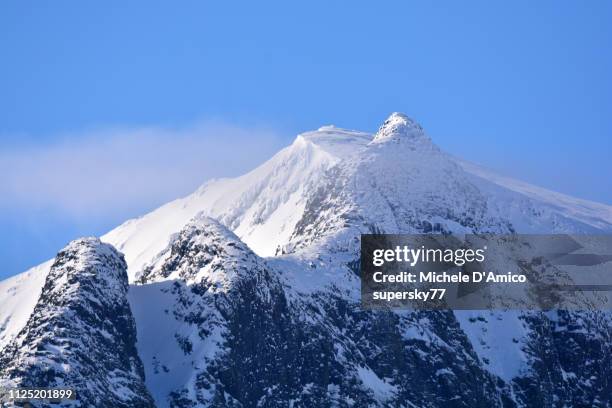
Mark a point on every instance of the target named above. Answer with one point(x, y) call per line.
point(81, 333)
point(246, 293)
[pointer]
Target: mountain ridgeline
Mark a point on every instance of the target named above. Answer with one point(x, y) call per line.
point(245, 293)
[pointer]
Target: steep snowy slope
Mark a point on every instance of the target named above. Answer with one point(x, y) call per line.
point(261, 207)
point(18, 296)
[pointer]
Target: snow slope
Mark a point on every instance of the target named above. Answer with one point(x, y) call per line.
point(525, 200)
point(18, 296)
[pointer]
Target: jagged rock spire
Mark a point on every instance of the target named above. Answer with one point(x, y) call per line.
point(81, 333)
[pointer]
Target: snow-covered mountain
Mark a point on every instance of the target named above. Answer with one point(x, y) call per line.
point(246, 292)
point(265, 206)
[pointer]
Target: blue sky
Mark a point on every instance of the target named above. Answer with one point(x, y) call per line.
point(138, 95)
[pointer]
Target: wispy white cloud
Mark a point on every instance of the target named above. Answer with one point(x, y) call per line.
point(121, 170)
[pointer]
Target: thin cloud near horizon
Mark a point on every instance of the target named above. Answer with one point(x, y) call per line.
point(110, 171)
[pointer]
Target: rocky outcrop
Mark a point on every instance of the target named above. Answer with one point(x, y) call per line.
point(81, 333)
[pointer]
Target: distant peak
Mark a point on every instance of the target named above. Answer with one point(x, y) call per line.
point(399, 126)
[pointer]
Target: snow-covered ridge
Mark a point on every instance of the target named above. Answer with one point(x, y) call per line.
point(339, 143)
point(598, 216)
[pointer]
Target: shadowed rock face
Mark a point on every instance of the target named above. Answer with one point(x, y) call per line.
point(248, 340)
point(81, 334)
point(571, 354)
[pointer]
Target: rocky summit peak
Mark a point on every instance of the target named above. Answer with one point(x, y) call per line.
point(89, 248)
point(202, 246)
point(81, 332)
point(399, 126)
